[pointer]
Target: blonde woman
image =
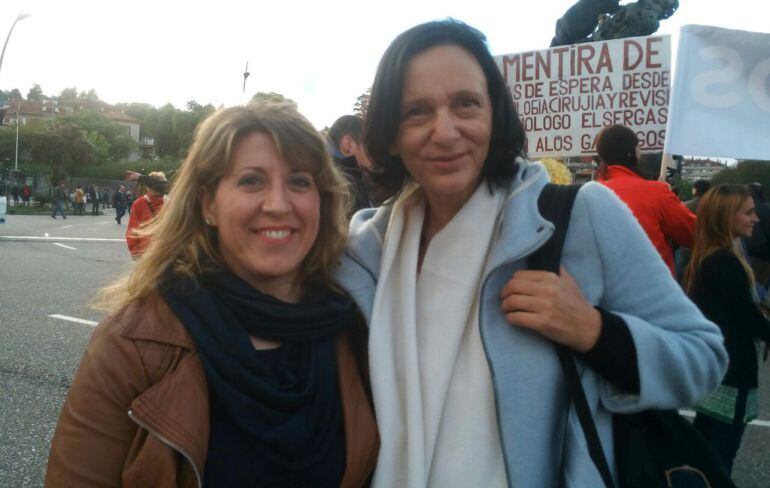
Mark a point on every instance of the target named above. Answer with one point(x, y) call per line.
point(721, 283)
point(227, 356)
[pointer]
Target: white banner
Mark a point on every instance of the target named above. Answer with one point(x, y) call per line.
point(565, 95)
point(720, 103)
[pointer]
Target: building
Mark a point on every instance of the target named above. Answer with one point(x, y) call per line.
point(27, 111)
point(700, 169)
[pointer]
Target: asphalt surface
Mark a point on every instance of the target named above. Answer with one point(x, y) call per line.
point(39, 354)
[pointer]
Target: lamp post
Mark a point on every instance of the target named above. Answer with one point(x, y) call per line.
point(16, 159)
point(21, 16)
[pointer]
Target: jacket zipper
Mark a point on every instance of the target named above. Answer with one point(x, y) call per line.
point(486, 353)
point(170, 444)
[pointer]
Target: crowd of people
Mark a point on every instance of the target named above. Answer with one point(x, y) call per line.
point(722, 251)
point(261, 326)
point(20, 194)
point(98, 199)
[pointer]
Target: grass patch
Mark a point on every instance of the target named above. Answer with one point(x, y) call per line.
point(44, 210)
point(32, 210)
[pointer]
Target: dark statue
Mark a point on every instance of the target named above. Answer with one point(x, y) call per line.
point(600, 20)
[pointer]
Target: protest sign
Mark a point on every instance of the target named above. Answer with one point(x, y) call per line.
point(565, 95)
point(720, 103)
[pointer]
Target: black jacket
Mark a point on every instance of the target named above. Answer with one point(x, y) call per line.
point(758, 245)
point(349, 167)
point(723, 293)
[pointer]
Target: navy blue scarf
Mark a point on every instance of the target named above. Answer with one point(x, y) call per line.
point(287, 413)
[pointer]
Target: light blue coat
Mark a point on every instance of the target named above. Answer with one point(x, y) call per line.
point(680, 354)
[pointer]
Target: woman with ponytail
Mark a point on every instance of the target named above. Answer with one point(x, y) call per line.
point(720, 281)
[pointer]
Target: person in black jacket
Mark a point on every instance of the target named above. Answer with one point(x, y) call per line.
point(720, 281)
point(758, 245)
point(345, 137)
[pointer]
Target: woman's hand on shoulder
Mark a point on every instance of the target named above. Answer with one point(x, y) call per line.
point(553, 306)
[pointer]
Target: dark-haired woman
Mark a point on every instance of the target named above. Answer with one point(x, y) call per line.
point(721, 282)
point(468, 390)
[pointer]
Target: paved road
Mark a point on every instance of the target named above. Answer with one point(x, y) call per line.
point(39, 354)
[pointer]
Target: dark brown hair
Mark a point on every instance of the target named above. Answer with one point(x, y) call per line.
point(616, 144)
point(383, 116)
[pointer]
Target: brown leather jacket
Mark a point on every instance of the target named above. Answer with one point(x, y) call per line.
point(137, 413)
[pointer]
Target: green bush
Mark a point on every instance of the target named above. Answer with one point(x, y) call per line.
point(41, 198)
point(745, 172)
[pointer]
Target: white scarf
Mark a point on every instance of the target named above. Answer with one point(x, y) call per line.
point(430, 379)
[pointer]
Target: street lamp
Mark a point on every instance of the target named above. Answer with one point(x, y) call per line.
point(16, 159)
point(21, 16)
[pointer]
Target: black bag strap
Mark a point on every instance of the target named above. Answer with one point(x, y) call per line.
point(555, 205)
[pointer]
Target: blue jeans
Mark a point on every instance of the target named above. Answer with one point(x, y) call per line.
point(58, 207)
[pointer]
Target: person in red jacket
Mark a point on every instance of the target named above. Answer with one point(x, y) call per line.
point(143, 210)
point(661, 214)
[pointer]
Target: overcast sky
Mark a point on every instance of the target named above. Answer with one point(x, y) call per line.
point(320, 54)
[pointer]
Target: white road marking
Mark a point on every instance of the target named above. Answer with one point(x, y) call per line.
point(64, 239)
point(65, 247)
point(66, 226)
point(105, 222)
point(74, 319)
point(760, 423)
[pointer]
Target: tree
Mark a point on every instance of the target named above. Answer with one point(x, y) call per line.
point(35, 94)
point(745, 172)
point(166, 141)
point(122, 146)
point(88, 96)
point(69, 94)
point(199, 111)
point(684, 187)
point(118, 145)
point(145, 113)
point(101, 146)
point(8, 142)
point(62, 146)
point(185, 123)
point(15, 94)
point(271, 97)
point(362, 103)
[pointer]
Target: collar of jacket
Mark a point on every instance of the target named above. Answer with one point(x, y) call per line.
point(521, 227)
point(176, 407)
point(618, 170)
point(155, 200)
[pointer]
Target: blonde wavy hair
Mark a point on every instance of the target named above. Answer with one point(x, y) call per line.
point(713, 229)
point(181, 243)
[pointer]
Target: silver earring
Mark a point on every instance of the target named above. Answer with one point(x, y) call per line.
point(208, 222)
